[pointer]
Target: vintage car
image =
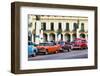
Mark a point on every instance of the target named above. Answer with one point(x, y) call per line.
point(32, 50)
point(66, 46)
point(48, 47)
point(79, 43)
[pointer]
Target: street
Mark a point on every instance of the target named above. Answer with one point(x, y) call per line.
point(74, 54)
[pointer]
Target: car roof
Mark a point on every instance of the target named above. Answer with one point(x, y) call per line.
point(45, 42)
point(80, 39)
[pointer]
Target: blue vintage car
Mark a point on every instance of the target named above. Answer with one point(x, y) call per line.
point(32, 50)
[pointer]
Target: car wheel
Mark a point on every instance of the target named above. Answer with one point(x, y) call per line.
point(61, 49)
point(56, 51)
point(69, 50)
point(81, 48)
point(86, 47)
point(34, 54)
point(46, 52)
point(71, 47)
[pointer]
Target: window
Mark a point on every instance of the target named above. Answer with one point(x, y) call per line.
point(75, 26)
point(67, 26)
point(59, 26)
point(52, 26)
point(30, 24)
point(82, 26)
point(43, 26)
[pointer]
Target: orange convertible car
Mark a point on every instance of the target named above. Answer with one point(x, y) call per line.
point(48, 47)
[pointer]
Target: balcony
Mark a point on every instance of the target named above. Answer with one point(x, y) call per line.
point(82, 30)
point(74, 30)
point(67, 30)
point(49, 31)
point(59, 31)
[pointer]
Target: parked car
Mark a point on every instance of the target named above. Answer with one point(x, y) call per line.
point(32, 50)
point(48, 47)
point(66, 46)
point(79, 43)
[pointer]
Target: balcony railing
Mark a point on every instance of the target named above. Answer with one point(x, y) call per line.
point(59, 31)
point(82, 30)
point(67, 30)
point(74, 30)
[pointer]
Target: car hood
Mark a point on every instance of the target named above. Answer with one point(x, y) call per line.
point(39, 47)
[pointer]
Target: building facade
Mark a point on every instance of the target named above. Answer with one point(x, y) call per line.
point(55, 28)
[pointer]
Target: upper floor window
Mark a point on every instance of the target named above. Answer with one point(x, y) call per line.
point(82, 26)
point(43, 25)
point(74, 26)
point(52, 26)
point(59, 26)
point(67, 26)
point(30, 24)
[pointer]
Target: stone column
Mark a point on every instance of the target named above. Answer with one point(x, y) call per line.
point(71, 26)
point(64, 37)
point(78, 29)
point(71, 39)
point(48, 37)
point(56, 38)
point(38, 29)
point(41, 36)
point(32, 38)
point(56, 26)
point(86, 37)
point(63, 26)
point(77, 33)
point(48, 25)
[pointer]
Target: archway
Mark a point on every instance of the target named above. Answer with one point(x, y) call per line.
point(74, 36)
point(52, 37)
point(60, 37)
point(45, 37)
point(82, 35)
point(67, 37)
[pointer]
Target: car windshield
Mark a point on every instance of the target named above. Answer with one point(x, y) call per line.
point(61, 43)
point(83, 41)
point(43, 44)
point(78, 41)
point(31, 43)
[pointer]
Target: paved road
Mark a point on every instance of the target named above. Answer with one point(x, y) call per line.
point(74, 54)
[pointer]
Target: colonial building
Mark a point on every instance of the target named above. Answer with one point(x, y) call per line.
point(55, 28)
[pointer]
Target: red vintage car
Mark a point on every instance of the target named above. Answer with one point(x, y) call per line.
point(79, 43)
point(66, 46)
point(48, 47)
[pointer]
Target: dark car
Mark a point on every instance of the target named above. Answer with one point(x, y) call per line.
point(66, 46)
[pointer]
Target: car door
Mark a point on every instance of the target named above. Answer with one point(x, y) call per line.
point(53, 48)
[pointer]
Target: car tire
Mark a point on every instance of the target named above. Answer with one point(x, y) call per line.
point(81, 48)
point(61, 49)
point(71, 47)
point(69, 50)
point(46, 52)
point(34, 54)
point(86, 47)
point(56, 51)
